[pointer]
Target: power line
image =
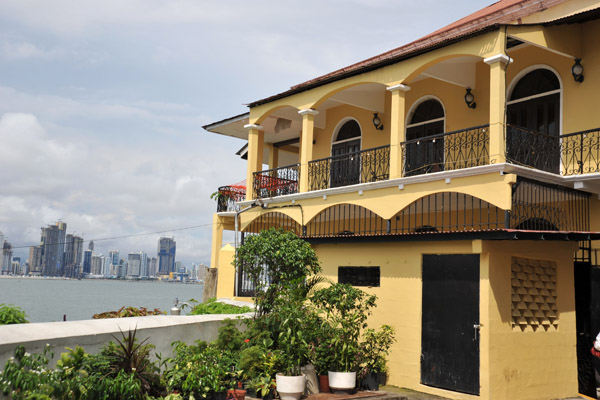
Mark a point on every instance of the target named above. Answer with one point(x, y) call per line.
point(119, 237)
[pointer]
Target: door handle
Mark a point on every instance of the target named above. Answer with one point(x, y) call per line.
point(476, 328)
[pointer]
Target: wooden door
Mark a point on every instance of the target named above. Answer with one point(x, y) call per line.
point(450, 322)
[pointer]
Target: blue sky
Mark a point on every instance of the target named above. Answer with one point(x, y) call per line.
point(102, 103)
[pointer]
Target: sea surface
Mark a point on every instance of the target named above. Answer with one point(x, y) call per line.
point(46, 300)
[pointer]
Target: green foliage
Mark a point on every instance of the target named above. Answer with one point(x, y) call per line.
point(26, 376)
point(345, 311)
point(125, 312)
point(199, 370)
point(11, 314)
point(212, 306)
point(289, 261)
point(230, 337)
point(374, 349)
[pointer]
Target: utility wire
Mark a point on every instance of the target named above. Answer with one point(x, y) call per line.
point(118, 237)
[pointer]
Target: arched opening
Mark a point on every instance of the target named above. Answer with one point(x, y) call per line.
point(346, 220)
point(533, 117)
point(272, 220)
point(422, 157)
point(447, 212)
point(345, 163)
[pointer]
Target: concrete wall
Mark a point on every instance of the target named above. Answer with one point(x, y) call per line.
point(92, 335)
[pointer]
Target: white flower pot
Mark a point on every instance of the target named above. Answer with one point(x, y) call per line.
point(342, 381)
point(290, 387)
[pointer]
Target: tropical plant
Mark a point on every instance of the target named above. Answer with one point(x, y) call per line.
point(26, 375)
point(11, 314)
point(200, 370)
point(286, 259)
point(292, 339)
point(344, 310)
point(125, 312)
point(374, 348)
point(130, 359)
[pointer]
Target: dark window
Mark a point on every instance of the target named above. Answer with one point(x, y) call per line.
point(536, 82)
point(359, 276)
point(349, 130)
point(427, 110)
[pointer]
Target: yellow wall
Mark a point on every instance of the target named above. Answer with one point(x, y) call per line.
point(530, 365)
point(514, 365)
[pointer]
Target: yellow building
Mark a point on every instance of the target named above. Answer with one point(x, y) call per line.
point(457, 178)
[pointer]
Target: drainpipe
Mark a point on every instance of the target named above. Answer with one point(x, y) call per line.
point(251, 206)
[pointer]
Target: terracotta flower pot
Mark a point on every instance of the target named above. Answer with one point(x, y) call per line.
point(324, 383)
point(236, 394)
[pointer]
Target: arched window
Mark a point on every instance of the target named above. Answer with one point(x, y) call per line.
point(534, 106)
point(345, 163)
point(425, 156)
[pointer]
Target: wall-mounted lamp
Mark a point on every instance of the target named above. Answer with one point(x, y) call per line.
point(377, 122)
point(577, 70)
point(470, 99)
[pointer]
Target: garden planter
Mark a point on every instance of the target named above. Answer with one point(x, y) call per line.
point(217, 395)
point(369, 382)
point(290, 387)
point(324, 383)
point(236, 394)
point(342, 381)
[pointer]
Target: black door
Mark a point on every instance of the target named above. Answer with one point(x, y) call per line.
point(424, 156)
point(450, 322)
point(345, 163)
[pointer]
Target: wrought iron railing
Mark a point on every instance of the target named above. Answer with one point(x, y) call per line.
point(580, 152)
point(533, 149)
point(228, 196)
point(276, 181)
point(364, 166)
point(446, 151)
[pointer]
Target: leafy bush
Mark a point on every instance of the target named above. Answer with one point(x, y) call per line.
point(125, 312)
point(11, 314)
point(212, 306)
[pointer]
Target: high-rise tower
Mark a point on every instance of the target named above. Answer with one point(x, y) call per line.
point(166, 255)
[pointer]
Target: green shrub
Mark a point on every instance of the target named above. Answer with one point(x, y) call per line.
point(10, 314)
point(212, 306)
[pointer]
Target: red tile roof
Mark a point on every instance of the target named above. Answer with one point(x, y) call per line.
point(488, 18)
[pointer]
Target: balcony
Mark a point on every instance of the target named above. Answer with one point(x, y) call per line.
point(364, 166)
point(570, 154)
point(575, 153)
point(276, 182)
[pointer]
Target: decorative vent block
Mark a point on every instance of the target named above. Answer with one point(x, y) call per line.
point(533, 295)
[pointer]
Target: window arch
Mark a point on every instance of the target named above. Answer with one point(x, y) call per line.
point(345, 163)
point(427, 119)
point(534, 119)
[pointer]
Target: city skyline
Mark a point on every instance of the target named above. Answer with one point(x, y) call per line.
point(61, 254)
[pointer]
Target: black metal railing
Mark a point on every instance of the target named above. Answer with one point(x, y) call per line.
point(276, 182)
point(580, 152)
point(533, 149)
point(228, 196)
point(364, 166)
point(446, 151)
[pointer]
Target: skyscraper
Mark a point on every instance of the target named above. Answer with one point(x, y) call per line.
point(87, 262)
point(166, 255)
point(73, 254)
point(134, 264)
point(5, 258)
point(35, 260)
point(53, 245)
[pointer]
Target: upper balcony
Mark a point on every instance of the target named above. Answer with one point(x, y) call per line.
point(500, 98)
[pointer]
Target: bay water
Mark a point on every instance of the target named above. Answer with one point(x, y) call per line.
point(46, 300)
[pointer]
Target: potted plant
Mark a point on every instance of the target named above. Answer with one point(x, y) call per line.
point(291, 342)
point(374, 349)
point(345, 310)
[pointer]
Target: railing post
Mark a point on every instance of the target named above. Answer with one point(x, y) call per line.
point(256, 140)
point(397, 128)
point(306, 145)
point(497, 65)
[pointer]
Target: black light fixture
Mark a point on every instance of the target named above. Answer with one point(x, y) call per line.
point(377, 122)
point(470, 99)
point(577, 70)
